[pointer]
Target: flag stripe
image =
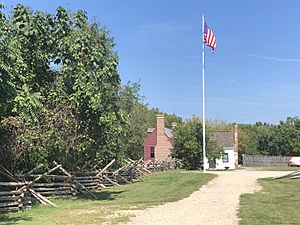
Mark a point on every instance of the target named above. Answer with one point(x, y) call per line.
point(209, 38)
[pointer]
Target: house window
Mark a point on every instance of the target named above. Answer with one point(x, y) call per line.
point(225, 158)
point(152, 154)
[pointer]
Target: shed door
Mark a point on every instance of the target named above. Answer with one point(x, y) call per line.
point(212, 163)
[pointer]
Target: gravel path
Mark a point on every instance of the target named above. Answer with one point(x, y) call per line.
point(214, 203)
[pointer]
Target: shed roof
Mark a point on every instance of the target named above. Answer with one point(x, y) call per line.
point(224, 139)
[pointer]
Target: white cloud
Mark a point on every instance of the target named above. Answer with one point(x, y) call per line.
point(273, 58)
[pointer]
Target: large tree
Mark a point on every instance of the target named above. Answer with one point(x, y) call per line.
point(188, 144)
point(58, 89)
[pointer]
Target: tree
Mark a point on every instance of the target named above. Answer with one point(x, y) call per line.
point(188, 144)
point(139, 118)
point(172, 118)
point(247, 140)
point(59, 89)
point(136, 113)
point(268, 139)
point(288, 137)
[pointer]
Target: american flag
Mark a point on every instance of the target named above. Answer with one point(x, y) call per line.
point(209, 38)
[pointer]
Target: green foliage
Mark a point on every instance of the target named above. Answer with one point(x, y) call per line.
point(60, 93)
point(188, 144)
point(219, 125)
point(268, 139)
point(172, 118)
point(248, 141)
point(139, 118)
point(59, 86)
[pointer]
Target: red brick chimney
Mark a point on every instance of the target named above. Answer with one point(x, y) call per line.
point(160, 149)
point(160, 124)
point(236, 146)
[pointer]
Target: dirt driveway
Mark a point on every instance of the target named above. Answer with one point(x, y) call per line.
point(214, 203)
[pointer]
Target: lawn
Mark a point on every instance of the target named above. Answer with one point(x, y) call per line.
point(277, 203)
point(156, 189)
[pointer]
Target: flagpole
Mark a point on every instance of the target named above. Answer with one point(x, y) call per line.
point(203, 97)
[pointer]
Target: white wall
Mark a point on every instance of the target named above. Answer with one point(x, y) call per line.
point(222, 165)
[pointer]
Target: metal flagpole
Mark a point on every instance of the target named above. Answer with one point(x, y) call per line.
point(203, 97)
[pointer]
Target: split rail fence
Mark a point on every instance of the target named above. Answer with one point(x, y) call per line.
point(292, 175)
point(18, 190)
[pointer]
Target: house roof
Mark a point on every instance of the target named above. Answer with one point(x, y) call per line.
point(168, 132)
point(224, 139)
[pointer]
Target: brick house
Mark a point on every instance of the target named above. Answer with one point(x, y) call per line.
point(158, 144)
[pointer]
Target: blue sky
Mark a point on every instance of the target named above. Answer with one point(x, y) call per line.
point(254, 74)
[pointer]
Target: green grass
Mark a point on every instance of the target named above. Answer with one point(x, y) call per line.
point(156, 189)
point(277, 203)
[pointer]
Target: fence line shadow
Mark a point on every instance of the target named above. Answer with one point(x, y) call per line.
point(13, 218)
point(102, 195)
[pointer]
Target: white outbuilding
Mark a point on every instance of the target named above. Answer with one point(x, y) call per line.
point(229, 142)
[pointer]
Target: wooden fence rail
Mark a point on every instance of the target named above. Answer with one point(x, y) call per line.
point(265, 161)
point(16, 190)
point(12, 198)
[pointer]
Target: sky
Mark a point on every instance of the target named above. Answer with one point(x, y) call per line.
point(254, 74)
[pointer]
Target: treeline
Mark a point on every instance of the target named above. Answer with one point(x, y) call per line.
point(268, 139)
point(61, 96)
